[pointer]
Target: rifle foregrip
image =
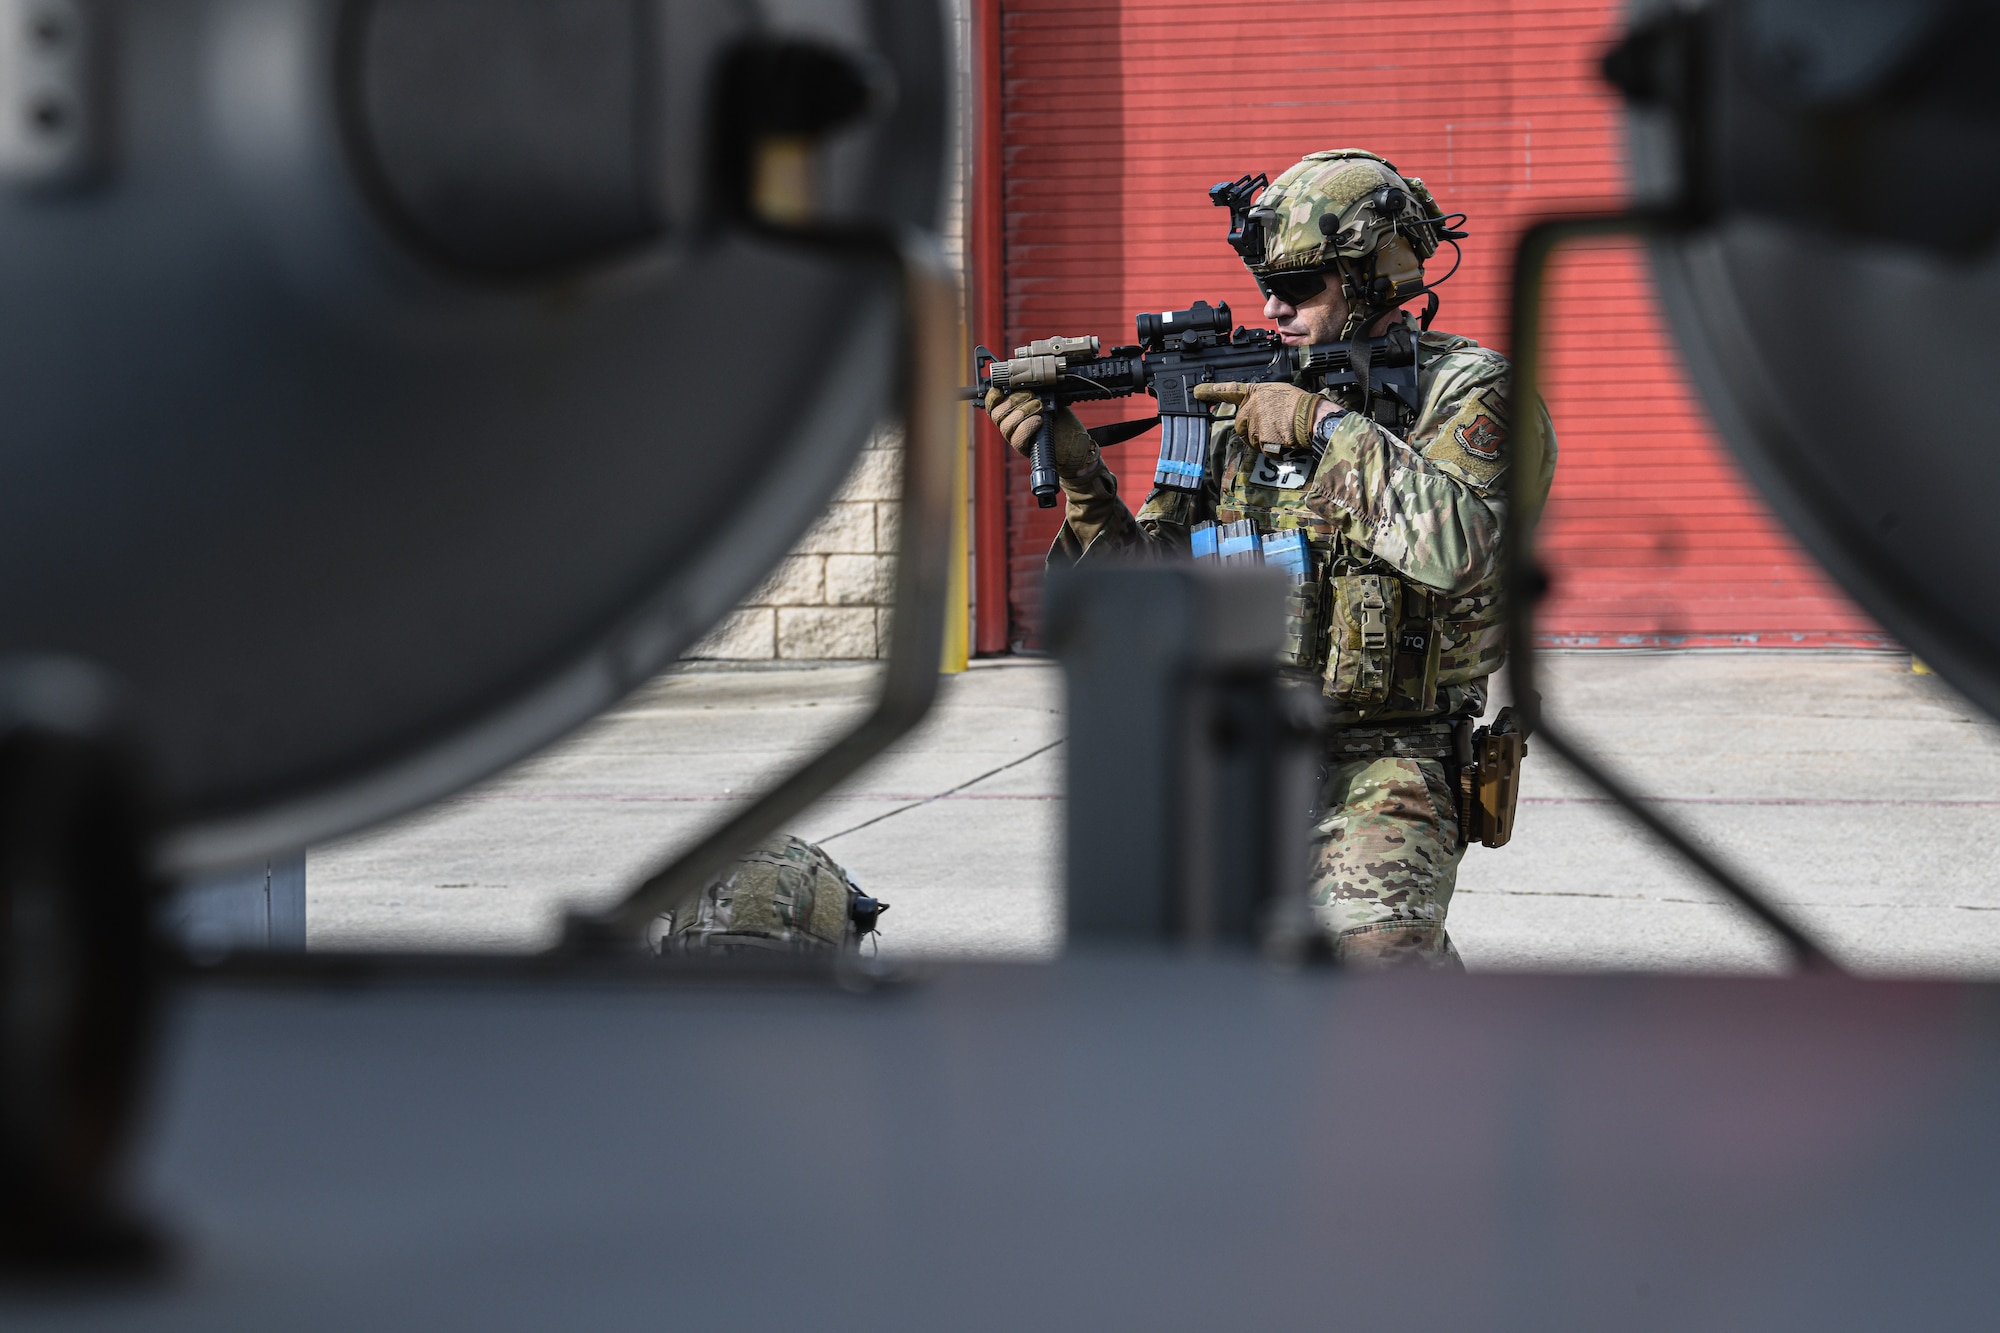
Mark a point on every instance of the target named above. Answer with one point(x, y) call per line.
point(1042, 459)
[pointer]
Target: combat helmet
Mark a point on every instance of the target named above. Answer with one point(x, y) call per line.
point(1346, 211)
point(784, 896)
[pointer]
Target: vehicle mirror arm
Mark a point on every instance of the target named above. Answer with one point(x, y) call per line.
point(1523, 582)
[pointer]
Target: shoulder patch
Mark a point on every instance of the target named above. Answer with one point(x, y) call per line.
point(1472, 445)
point(1479, 436)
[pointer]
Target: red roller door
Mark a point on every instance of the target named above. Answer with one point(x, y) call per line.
point(1117, 117)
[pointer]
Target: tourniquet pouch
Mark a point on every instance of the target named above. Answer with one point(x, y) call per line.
point(1383, 644)
point(1418, 649)
point(1361, 647)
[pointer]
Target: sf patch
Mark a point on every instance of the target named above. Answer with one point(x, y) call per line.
point(1480, 437)
point(1282, 474)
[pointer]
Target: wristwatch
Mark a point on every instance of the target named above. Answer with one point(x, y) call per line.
point(1323, 428)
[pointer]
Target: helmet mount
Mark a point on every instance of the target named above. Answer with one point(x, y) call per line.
point(1246, 229)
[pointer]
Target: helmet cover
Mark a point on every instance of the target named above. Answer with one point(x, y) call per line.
point(1342, 204)
point(785, 895)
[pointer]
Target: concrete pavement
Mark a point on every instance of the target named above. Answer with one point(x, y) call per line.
point(956, 827)
point(1863, 795)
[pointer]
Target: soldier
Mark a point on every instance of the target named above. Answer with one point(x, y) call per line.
point(1402, 513)
point(783, 896)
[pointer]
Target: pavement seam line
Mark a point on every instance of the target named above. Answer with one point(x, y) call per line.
point(949, 791)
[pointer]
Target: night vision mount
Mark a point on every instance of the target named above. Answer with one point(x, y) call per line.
point(1237, 196)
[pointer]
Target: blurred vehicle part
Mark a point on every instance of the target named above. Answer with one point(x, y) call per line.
point(363, 440)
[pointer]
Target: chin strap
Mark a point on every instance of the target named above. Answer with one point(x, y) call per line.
point(1357, 325)
point(1360, 318)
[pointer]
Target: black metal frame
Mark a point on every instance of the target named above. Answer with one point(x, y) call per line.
point(1523, 580)
point(929, 384)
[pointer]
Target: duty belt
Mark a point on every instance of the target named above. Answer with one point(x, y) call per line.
point(1409, 740)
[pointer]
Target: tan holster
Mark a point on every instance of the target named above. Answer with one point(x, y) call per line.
point(1489, 780)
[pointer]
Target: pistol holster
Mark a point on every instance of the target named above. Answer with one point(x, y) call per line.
point(1489, 779)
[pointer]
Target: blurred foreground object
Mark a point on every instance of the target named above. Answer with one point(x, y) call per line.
point(1160, 1130)
point(76, 978)
point(377, 413)
point(1838, 323)
point(377, 400)
point(1826, 180)
point(1190, 763)
point(262, 907)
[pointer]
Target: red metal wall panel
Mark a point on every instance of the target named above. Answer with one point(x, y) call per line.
point(992, 630)
point(1119, 116)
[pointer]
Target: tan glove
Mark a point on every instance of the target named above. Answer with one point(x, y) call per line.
point(1272, 417)
point(1019, 416)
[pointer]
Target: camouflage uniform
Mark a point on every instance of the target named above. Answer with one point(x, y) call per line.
point(1418, 509)
point(784, 896)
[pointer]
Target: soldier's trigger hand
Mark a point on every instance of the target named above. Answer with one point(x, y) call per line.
point(1271, 417)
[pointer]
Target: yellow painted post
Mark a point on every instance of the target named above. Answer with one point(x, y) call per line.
point(957, 608)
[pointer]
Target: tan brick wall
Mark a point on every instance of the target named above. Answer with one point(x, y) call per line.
point(830, 598)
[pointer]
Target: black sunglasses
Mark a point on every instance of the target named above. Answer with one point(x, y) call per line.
point(1294, 289)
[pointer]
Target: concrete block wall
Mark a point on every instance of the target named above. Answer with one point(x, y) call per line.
point(830, 597)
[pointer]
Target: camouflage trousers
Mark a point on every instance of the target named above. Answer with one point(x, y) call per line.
point(1385, 859)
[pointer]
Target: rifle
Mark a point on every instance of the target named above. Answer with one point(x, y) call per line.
point(1176, 351)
